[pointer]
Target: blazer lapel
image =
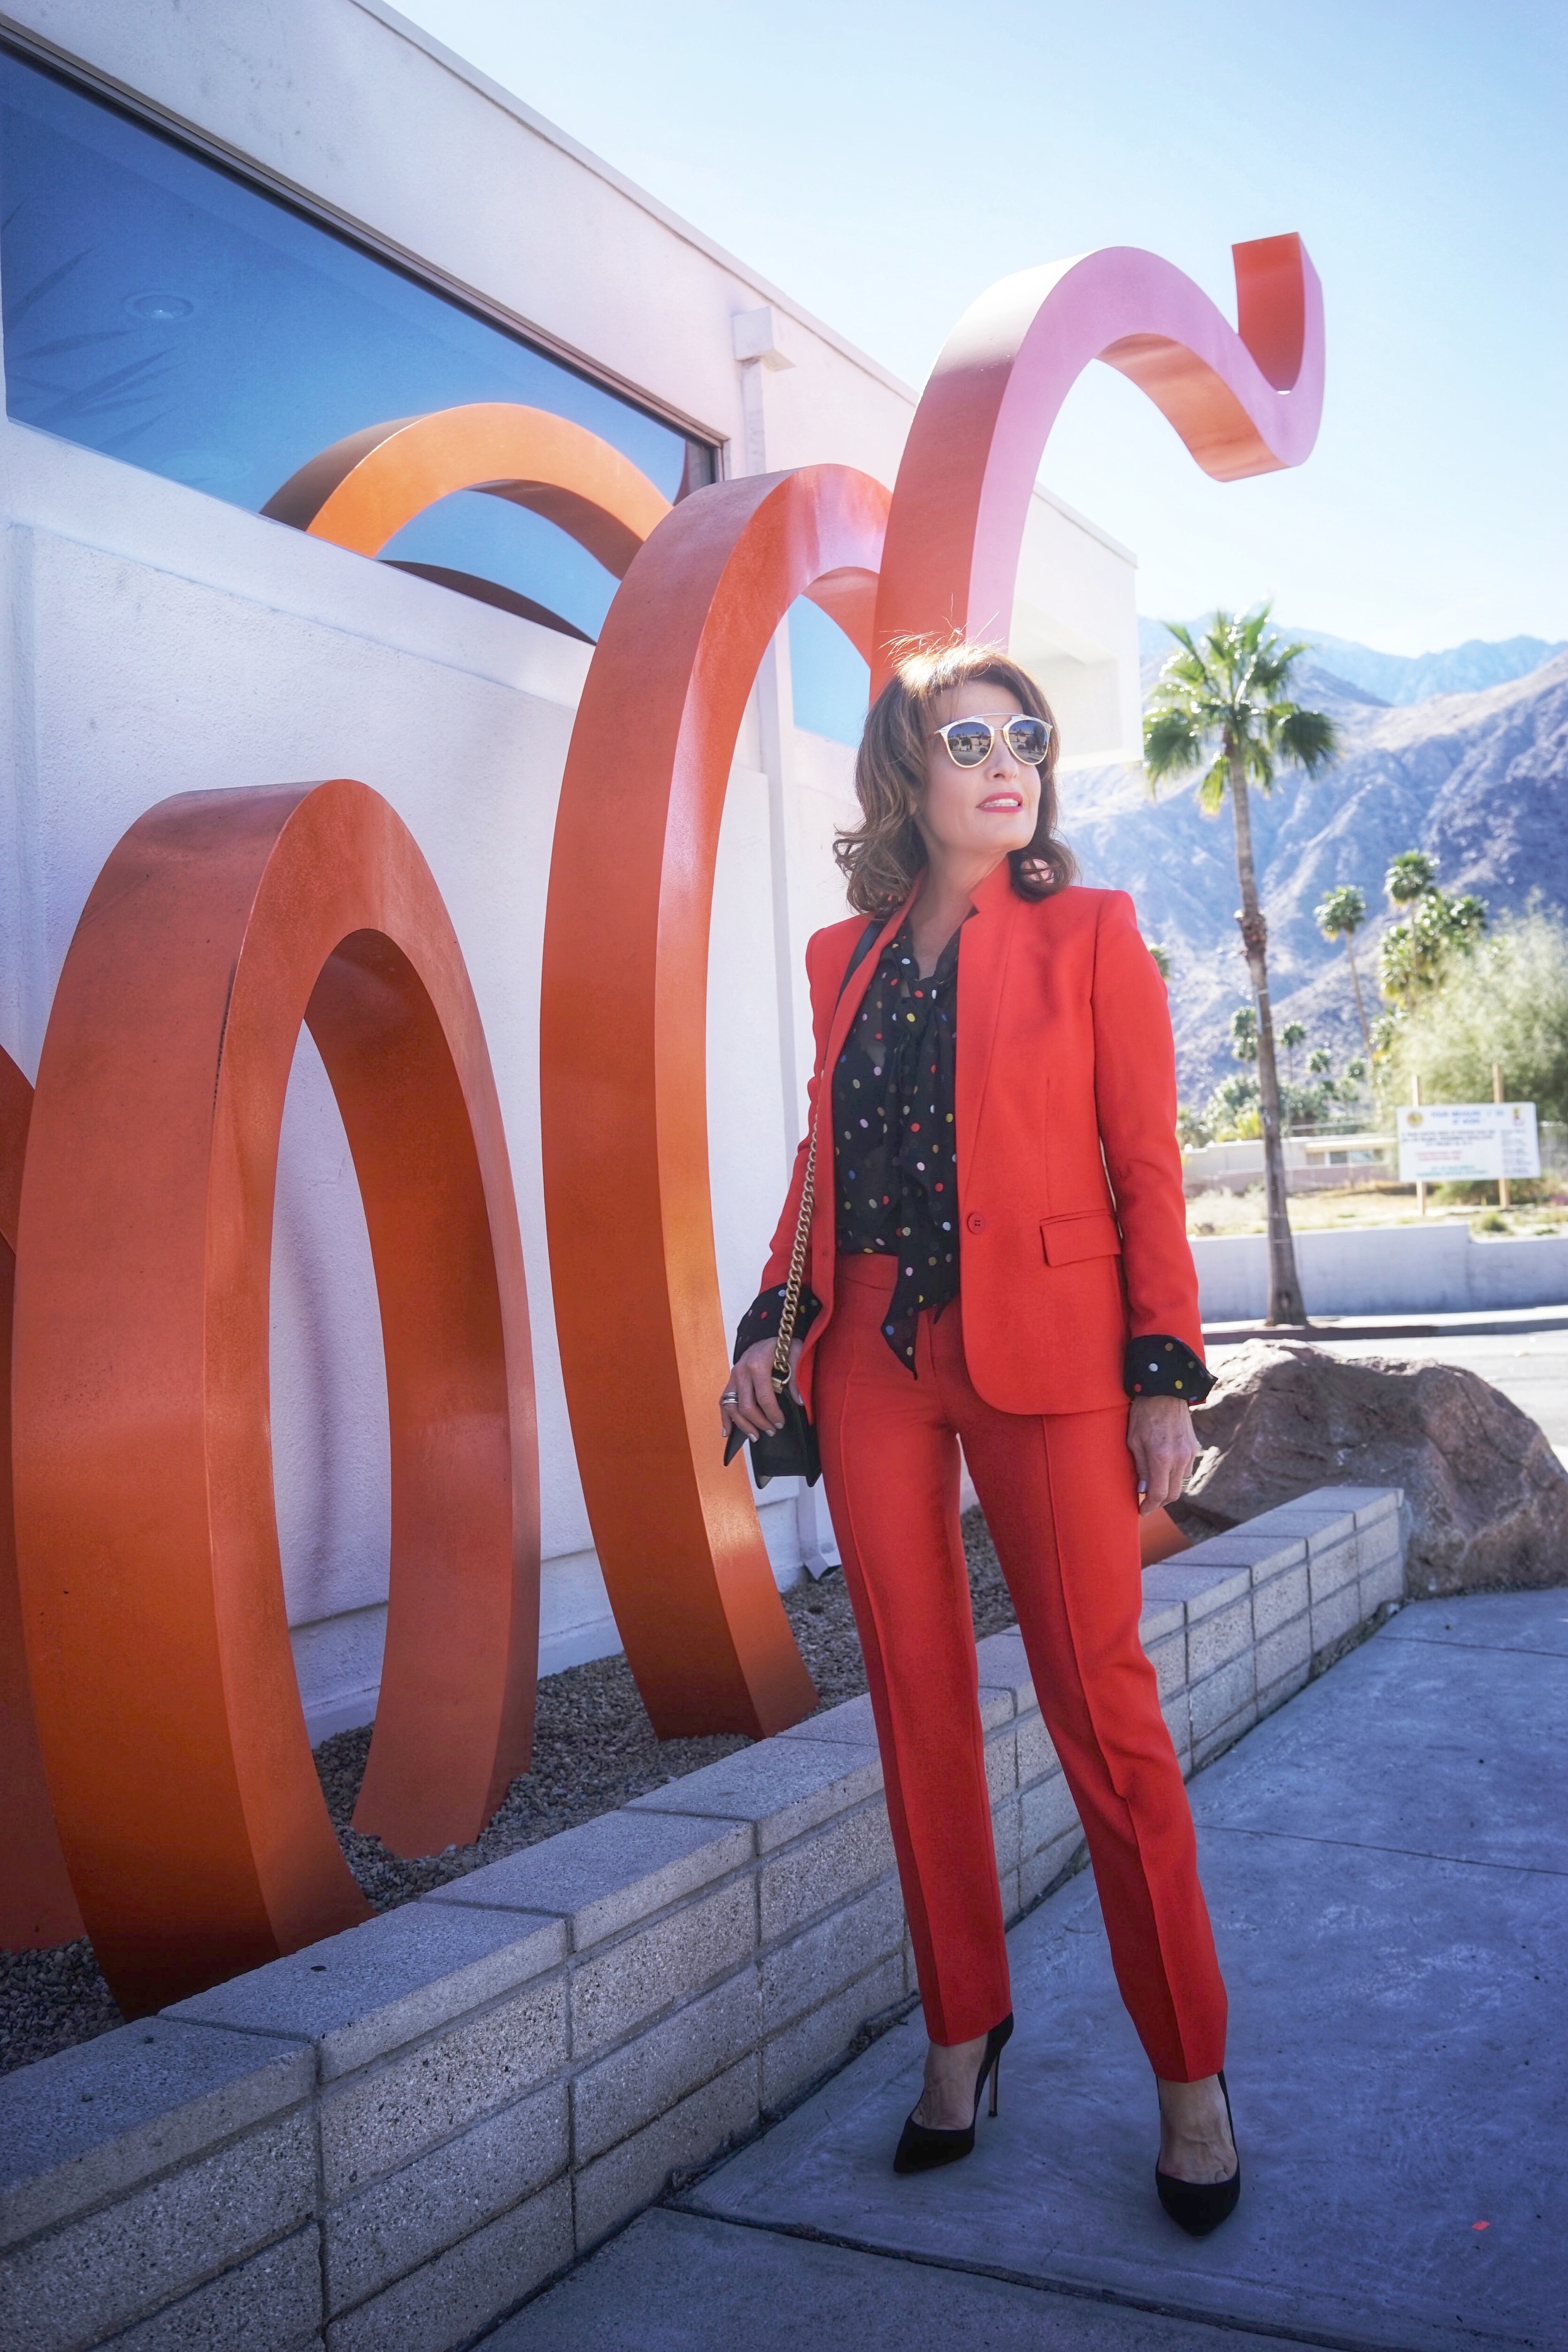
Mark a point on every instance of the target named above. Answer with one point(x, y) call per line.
point(823, 1245)
point(849, 1002)
point(984, 945)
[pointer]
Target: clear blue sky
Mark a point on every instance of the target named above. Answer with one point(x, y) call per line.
point(883, 160)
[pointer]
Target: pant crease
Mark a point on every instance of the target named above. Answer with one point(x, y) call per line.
point(1108, 1762)
point(891, 1782)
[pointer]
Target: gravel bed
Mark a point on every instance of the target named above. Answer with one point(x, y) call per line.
point(594, 1749)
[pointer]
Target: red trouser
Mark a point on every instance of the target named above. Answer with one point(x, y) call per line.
point(1059, 1498)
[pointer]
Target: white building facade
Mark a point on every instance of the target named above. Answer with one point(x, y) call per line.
point(236, 231)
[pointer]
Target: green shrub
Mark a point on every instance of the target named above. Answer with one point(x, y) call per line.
point(1523, 1192)
point(1506, 1001)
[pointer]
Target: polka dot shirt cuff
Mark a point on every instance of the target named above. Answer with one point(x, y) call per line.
point(1158, 1366)
point(761, 1319)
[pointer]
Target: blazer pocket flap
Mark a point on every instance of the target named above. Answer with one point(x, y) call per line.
point(1068, 1239)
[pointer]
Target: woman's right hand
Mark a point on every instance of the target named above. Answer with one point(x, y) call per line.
point(749, 1402)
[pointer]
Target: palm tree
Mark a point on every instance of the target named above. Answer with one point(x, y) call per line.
point(1293, 1036)
point(1225, 706)
point(1411, 876)
point(1244, 1034)
point(1340, 915)
point(1415, 955)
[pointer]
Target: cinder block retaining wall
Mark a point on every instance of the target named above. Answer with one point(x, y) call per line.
point(386, 2141)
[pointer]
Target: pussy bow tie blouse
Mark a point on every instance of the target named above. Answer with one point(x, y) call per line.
point(895, 1158)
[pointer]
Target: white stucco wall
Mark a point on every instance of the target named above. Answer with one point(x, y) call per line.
point(160, 641)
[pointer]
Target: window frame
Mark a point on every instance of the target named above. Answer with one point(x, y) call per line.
point(33, 49)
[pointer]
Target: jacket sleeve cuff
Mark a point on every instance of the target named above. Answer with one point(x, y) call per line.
point(761, 1318)
point(1160, 1366)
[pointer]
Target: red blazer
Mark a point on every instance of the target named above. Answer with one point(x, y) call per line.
point(1073, 1227)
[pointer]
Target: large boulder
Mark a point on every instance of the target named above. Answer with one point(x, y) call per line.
point(1486, 1496)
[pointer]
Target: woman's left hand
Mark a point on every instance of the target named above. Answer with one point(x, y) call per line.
point(1163, 1442)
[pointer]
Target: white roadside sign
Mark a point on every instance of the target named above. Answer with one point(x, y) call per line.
point(1466, 1143)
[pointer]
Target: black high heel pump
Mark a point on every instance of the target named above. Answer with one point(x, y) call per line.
point(922, 2146)
point(1199, 2206)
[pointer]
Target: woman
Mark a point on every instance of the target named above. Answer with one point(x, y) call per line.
point(999, 1257)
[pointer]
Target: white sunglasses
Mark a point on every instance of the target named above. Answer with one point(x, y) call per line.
point(969, 742)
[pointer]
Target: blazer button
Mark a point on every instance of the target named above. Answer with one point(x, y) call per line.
point(975, 1222)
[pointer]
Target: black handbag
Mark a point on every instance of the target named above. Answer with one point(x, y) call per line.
point(792, 1451)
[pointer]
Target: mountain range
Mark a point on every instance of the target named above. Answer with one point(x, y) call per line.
point(1398, 677)
point(1478, 779)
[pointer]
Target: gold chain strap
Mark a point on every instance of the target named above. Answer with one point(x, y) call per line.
point(797, 1269)
point(780, 1371)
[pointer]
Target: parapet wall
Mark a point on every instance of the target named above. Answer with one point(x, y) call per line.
point(1439, 1268)
point(386, 2141)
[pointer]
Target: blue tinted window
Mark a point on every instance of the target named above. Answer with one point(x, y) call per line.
point(165, 311)
point(829, 683)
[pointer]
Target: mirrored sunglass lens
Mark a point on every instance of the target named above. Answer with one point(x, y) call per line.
point(1027, 738)
point(969, 740)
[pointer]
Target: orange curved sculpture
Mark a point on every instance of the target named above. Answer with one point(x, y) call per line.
point(361, 492)
point(167, 1708)
point(37, 1908)
point(622, 1079)
point(622, 1014)
point(1245, 399)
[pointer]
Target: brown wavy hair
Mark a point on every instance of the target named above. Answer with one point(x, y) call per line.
point(882, 855)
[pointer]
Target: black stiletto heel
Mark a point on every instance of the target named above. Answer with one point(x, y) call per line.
point(922, 2146)
point(1199, 2206)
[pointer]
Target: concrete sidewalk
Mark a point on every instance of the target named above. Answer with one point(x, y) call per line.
point(1388, 1870)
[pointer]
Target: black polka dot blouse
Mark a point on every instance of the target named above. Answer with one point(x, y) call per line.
point(895, 1150)
point(895, 1155)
